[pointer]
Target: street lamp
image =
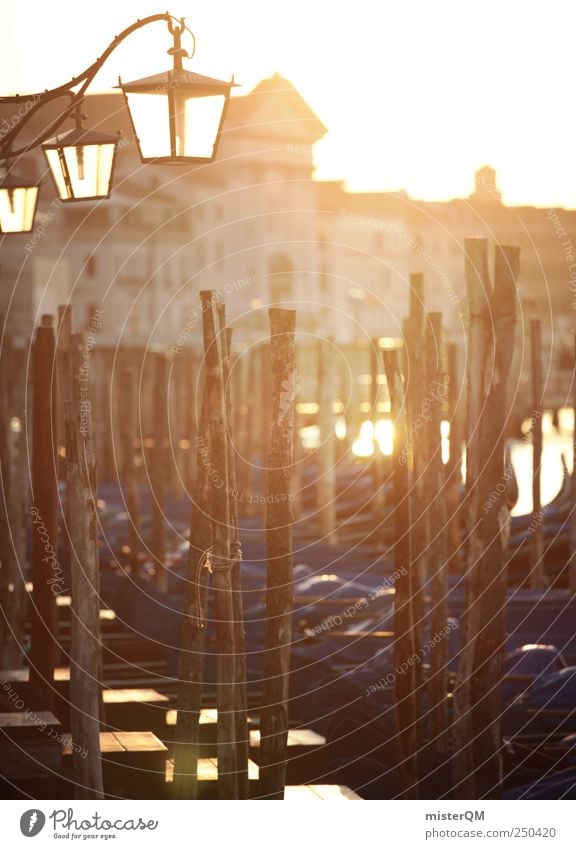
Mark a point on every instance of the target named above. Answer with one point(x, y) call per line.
point(177, 118)
point(18, 198)
point(82, 163)
point(177, 115)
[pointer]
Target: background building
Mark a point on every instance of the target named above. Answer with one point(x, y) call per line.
point(257, 227)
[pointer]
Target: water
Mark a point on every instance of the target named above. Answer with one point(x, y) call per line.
point(555, 443)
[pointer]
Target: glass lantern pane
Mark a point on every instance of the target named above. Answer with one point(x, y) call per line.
point(30, 200)
point(151, 123)
point(17, 208)
point(90, 168)
point(201, 125)
point(56, 169)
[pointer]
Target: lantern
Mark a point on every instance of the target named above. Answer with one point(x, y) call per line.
point(18, 198)
point(177, 116)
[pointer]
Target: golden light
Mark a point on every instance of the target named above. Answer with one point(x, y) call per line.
point(310, 436)
point(566, 419)
point(384, 433)
point(18, 198)
point(445, 434)
point(177, 116)
point(82, 164)
point(370, 438)
point(340, 429)
point(389, 342)
point(363, 445)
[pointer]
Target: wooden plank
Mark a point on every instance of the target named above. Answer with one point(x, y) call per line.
point(21, 720)
point(321, 793)
point(297, 737)
point(139, 741)
point(133, 695)
point(208, 770)
point(108, 744)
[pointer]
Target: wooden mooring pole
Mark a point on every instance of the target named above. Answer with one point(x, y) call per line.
point(453, 498)
point(128, 413)
point(158, 469)
point(44, 650)
point(405, 658)
point(379, 497)
point(193, 640)
point(438, 536)
point(326, 475)
point(85, 660)
point(221, 556)
point(572, 568)
point(537, 577)
point(15, 489)
point(492, 585)
point(280, 592)
point(415, 373)
point(478, 352)
point(241, 711)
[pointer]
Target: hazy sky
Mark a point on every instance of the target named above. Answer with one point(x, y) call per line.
point(416, 93)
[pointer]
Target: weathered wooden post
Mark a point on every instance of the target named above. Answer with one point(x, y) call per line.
point(572, 567)
point(158, 470)
point(326, 483)
point(415, 372)
point(404, 654)
point(379, 497)
point(63, 359)
point(491, 588)
point(438, 547)
point(222, 555)
point(264, 379)
point(44, 650)
point(537, 577)
point(85, 660)
point(455, 463)
point(280, 592)
point(6, 494)
point(191, 386)
point(15, 485)
point(128, 411)
point(478, 352)
point(241, 712)
point(193, 641)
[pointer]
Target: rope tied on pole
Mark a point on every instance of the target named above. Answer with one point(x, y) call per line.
point(216, 563)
